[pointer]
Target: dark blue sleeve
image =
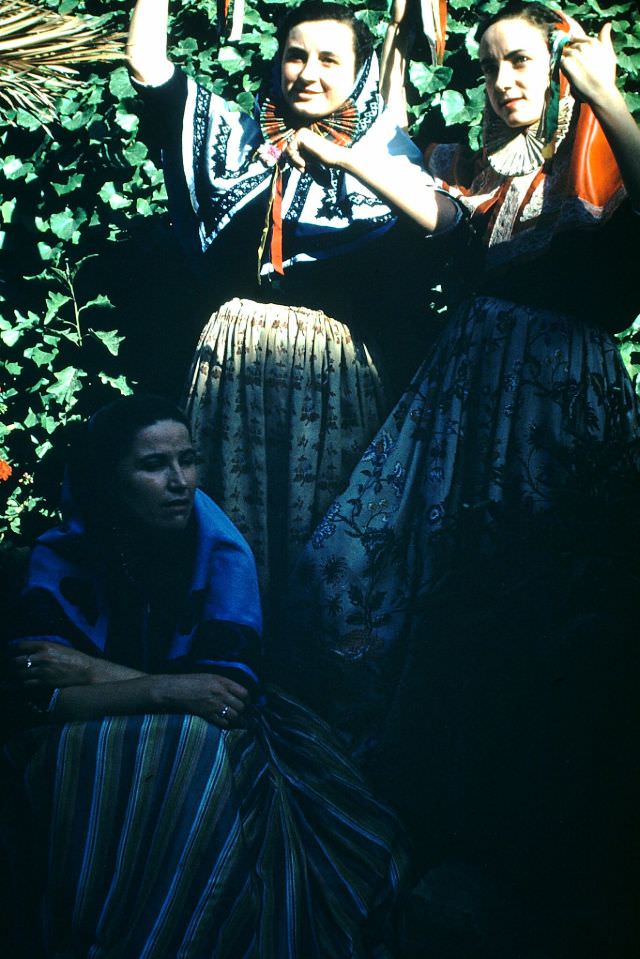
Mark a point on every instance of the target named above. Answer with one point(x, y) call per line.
point(228, 649)
point(162, 111)
point(161, 128)
point(38, 616)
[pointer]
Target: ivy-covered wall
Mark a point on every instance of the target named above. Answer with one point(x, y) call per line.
point(94, 293)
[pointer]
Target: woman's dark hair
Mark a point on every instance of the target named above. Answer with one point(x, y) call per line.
point(104, 441)
point(314, 10)
point(544, 18)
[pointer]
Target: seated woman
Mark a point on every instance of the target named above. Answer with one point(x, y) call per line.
point(319, 277)
point(165, 804)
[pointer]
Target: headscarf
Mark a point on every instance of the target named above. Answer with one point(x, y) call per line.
point(65, 562)
point(532, 185)
point(227, 162)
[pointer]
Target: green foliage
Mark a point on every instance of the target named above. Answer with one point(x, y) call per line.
point(70, 196)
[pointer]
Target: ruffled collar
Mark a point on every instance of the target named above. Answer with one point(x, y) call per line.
point(344, 126)
point(519, 152)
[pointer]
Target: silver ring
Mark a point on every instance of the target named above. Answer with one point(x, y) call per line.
point(29, 662)
point(224, 712)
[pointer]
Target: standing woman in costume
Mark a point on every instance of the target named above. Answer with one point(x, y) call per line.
point(285, 389)
point(158, 800)
point(456, 597)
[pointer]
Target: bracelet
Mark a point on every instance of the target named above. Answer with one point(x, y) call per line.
point(49, 708)
point(54, 699)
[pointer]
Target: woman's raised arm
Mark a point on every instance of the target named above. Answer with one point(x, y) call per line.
point(590, 65)
point(147, 42)
point(406, 187)
point(398, 41)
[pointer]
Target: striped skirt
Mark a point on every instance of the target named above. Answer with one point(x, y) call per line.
point(282, 402)
point(164, 837)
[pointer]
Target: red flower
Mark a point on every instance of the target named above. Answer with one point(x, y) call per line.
point(5, 470)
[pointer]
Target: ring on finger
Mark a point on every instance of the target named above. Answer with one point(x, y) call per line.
point(29, 662)
point(224, 712)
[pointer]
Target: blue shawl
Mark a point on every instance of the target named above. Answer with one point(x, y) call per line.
point(223, 583)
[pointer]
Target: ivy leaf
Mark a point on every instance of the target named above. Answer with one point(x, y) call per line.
point(268, 47)
point(27, 120)
point(64, 224)
point(128, 121)
point(100, 300)
point(73, 183)
point(43, 448)
point(78, 121)
point(10, 337)
point(231, 60)
point(118, 383)
point(110, 339)
point(110, 195)
point(143, 207)
point(30, 419)
point(246, 101)
point(6, 210)
point(39, 356)
point(428, 79)
point(45, 251)
point(54, 302)
point(136, 153)
point(14, 169)
point(120, 85)
point(453, 107)
point(68, 383)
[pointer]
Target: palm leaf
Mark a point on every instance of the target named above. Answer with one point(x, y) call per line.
point(39, 51)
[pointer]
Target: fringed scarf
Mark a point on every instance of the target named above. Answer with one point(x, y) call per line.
point(531, 184)
point(229, 157)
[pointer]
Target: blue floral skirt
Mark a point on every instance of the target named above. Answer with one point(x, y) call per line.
point(461, 613)
point(520, 428)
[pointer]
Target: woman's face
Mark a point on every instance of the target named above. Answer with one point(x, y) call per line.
point(318, 68)
point(515, 61)
point(157, 477)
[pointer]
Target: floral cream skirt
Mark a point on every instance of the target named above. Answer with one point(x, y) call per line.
point(282, 401)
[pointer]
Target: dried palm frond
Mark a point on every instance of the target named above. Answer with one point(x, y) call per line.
point(38, 53)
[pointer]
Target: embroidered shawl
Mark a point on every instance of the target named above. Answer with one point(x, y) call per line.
point(225, 170)
point(223, 583)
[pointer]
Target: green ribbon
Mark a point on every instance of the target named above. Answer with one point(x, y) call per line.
point(559, 38)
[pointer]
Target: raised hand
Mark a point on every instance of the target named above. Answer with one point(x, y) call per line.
point(399, 10)
point(305, 145)
point(405, 13)
point(590, 64)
